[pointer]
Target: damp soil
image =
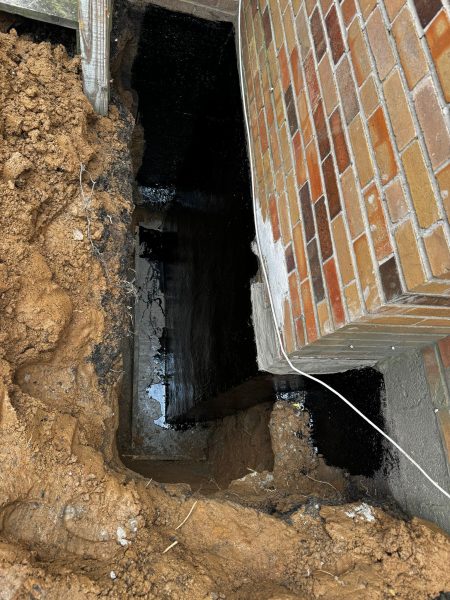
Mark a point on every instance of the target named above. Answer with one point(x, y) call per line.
point(74, 522)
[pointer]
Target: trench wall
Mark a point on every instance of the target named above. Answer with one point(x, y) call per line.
point(347, 102)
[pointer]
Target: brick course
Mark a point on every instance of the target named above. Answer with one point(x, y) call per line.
point(351, 145)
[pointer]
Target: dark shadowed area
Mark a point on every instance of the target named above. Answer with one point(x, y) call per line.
point(187, 81)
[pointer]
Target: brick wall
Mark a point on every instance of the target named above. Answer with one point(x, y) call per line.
point(349, 131)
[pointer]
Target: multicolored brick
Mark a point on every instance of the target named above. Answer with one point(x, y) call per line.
point(300, 253)
point(419, 182)
point(313, 171)
point(347, 90)
point(409, 48)
point(410, 260)
point(366, 270)
point(380, 45)
point(321, 131)
point(381, 142)
point(329, 174)
point(334, 292)
point(377, 223)
point(323, 228)
point(396, 202)
point(339, 143)
point(360, 148)
point(343, 250)
point(398, 108)
point(369, 96)
point(438, 38)
point(348, 9)
point(310, 320)
point(352, 204)
point(432, 122)
point(359, 54)
point(328, 84)
point(334, 35)
point(437, 249)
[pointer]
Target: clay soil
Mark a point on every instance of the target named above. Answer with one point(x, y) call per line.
point(74, 523)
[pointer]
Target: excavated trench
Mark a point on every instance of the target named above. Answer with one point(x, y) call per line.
point(191, 391)
point(193, 354)
point(138, 320)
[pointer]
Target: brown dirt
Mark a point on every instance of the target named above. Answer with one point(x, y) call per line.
point(70, 514)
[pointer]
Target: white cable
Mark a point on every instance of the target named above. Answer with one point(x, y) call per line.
point(266, 279)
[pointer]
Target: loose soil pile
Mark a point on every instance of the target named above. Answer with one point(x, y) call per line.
point(76, 524)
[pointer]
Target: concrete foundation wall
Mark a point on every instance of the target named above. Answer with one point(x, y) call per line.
point(417, 417)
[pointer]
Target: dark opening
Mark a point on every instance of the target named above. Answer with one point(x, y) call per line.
point(338, 433)
point(39, 31)
point(194, 173)
point(341, 435)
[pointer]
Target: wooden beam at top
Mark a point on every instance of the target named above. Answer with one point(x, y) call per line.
point(58, 12)
point(94, 27)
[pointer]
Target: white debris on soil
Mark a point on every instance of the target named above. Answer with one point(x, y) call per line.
point(262, 480)
point(363, 510)
point(133, 525)
point(121, 536)
point(113, 575)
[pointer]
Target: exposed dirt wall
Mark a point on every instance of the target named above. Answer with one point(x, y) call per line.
point(73, 522)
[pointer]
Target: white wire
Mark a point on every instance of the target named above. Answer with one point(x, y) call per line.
point(266, 279)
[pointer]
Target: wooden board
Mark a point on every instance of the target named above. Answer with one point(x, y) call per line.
point(58, 12)
point(94, 29)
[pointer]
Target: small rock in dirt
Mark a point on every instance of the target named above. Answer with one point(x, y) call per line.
point(363, 510)
point(13, 124)
point(77, 235)
point(113, 575)
point(15, 166)
point(32, 91)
